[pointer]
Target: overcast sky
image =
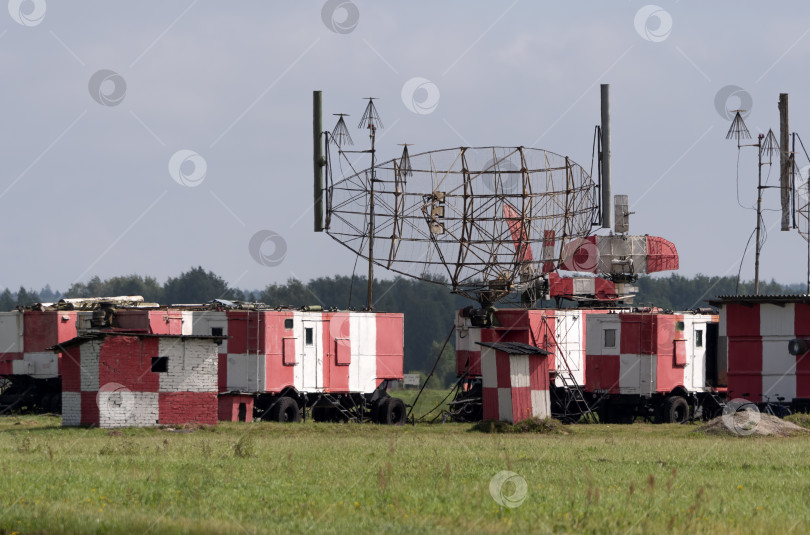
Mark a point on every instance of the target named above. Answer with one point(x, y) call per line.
point(102, 102)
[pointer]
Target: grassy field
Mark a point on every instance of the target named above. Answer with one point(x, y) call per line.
point(338, 478)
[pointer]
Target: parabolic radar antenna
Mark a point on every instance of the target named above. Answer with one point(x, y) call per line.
point(489, 222)
point(485, 220)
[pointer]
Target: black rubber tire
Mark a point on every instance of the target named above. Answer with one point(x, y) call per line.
point(380, 410)
point(676, 410)
point(285, 410)
point(393, 412)
point(55, 404)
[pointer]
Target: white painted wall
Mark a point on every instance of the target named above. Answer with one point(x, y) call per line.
point(192, 365)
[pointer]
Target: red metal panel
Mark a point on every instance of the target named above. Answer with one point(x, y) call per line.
point(148, 321)
point(604, 289)
point(490, 402)
point(503, 368)
point(390, 346)
point(602, 373)
point(90, 414)
point(744, 351)
point(186, 407)
point(661, 255)
point(274, 331)
point(222, 372)
point(343, 352)
point(336, 332)
point(245, 332)
point(801, 320)
point(538, 372)
point(464, 359)
point(166, 321)
point(668, 375)
point(560, 286)
point(522, 248)
point(279, 350)
point(289, 352)
point(127, 360)
point(637, 335)
point(40, 330)
point(742, 320)
point(70, 368)
point(66, 326)
point(745, 367)
point(802, 330)
point(228, 408)
point(543, 334)
point(521, 403)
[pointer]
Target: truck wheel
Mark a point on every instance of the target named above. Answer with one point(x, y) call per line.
point(393, 412)
point(676, 410)
point(379, 411)
point(285, 410)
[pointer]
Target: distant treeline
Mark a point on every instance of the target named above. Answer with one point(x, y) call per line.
point(429, 308)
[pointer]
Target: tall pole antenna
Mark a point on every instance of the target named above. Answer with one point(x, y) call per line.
point(371, 120)
point(317, 159)
point(759, 214)
point(784, 160)
point(605, 156)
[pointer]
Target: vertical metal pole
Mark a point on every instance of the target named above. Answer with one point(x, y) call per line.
point(318, 160)
point(607, 214)
point(784, 145)
point(793, 179)
point(759, 215)
point(370, 304)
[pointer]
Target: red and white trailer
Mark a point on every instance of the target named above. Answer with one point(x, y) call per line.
point(652, 364)
point(29, 370)
point(284, 361)
point(756, 332)
point(337, 363)
point(560, 332)
point(623, 362)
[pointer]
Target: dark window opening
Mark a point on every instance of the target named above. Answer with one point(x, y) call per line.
point(160, 364)
point(679, 326)
point(217, 331)
point(288, 324)
point(242, 412)
point(308, 335)
point(698, 338)
point(610, 337)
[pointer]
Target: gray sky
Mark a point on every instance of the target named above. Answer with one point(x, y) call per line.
point(85, 181)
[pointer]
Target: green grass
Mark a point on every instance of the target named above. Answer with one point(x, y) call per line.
point(327, 478)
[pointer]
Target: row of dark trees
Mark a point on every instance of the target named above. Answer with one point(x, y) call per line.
point(429, 308)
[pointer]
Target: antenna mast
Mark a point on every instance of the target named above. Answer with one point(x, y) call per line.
point(371, 120)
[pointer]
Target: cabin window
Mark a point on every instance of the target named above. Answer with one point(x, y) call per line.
point(679, 326)
point(308, 335)
point(699, 338)
point(288, 324)
point(610, 337)
point(160, 364)
point(217, 331)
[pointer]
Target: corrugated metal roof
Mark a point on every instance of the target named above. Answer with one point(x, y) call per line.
point(784, 298)
point(515, 348)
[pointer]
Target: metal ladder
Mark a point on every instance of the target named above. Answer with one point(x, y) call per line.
point(573, 391)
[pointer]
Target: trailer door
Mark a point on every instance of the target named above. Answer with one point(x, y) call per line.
point(699, 352)
point(312, 356)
